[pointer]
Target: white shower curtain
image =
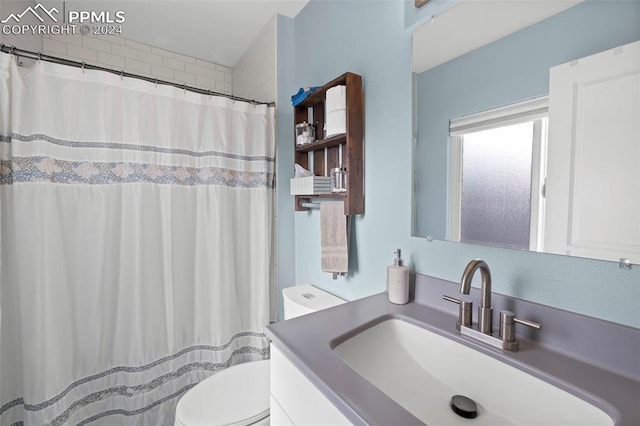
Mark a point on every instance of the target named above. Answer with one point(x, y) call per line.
point(136, 252)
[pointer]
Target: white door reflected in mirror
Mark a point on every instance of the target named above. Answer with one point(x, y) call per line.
point(593, 182)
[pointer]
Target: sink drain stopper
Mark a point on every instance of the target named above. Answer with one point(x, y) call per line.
point(464, 407)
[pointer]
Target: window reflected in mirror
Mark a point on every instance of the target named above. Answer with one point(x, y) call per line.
point(491, 200)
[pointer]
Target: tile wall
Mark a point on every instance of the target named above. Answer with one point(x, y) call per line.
point(122, 54)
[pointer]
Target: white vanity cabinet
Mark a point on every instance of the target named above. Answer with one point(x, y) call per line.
point(295, 400)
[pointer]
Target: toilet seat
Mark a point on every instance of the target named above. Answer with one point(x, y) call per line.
point(237, 396)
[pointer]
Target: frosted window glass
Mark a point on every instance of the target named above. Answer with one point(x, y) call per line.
point(496, 186)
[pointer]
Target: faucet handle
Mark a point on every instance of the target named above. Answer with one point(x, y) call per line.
point(527, 323)
point(508, 323)
point(465, 313)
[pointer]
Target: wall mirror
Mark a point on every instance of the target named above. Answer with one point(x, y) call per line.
point(526, 130)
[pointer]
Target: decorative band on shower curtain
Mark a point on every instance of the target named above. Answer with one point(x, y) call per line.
point(136, 243)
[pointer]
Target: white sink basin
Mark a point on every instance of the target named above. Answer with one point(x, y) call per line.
point(421, 371)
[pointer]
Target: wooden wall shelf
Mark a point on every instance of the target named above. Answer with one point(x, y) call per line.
point(351, 143)
point(324, 143)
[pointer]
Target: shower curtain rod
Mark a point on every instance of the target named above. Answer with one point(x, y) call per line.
point(56, 60)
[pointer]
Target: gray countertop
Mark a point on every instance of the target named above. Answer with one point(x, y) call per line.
point(308, 341)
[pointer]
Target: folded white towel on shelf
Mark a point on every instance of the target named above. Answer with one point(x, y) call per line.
point(334, 240)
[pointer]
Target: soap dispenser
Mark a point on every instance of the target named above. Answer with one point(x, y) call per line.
point(398, 281)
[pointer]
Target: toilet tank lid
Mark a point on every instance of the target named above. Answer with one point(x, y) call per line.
point(311, 297)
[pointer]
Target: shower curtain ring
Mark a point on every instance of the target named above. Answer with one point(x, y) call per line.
point(39, 56)
point(82, 67)
point(16, 57)
point(122, 75)
point(156, 83)
point(185, 88)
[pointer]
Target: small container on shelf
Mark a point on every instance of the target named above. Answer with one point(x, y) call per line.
point(305, 133)
point(338, 180)
point(310, 185)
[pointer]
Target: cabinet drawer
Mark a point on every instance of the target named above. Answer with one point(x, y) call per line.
point(300, 400)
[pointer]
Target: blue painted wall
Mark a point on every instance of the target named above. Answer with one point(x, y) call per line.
point(332, 37)
point(285, 61)
point(337, 36)
point(509, 70)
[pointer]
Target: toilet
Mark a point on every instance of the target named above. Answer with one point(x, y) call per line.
point(239, 395)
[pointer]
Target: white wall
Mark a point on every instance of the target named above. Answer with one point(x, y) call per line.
point(254, 76)
point(122, 54)
point(118, 53)
point(26, 42)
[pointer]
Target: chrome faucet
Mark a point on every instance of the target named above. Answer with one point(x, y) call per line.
point(507, 333)
point(485, 311)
